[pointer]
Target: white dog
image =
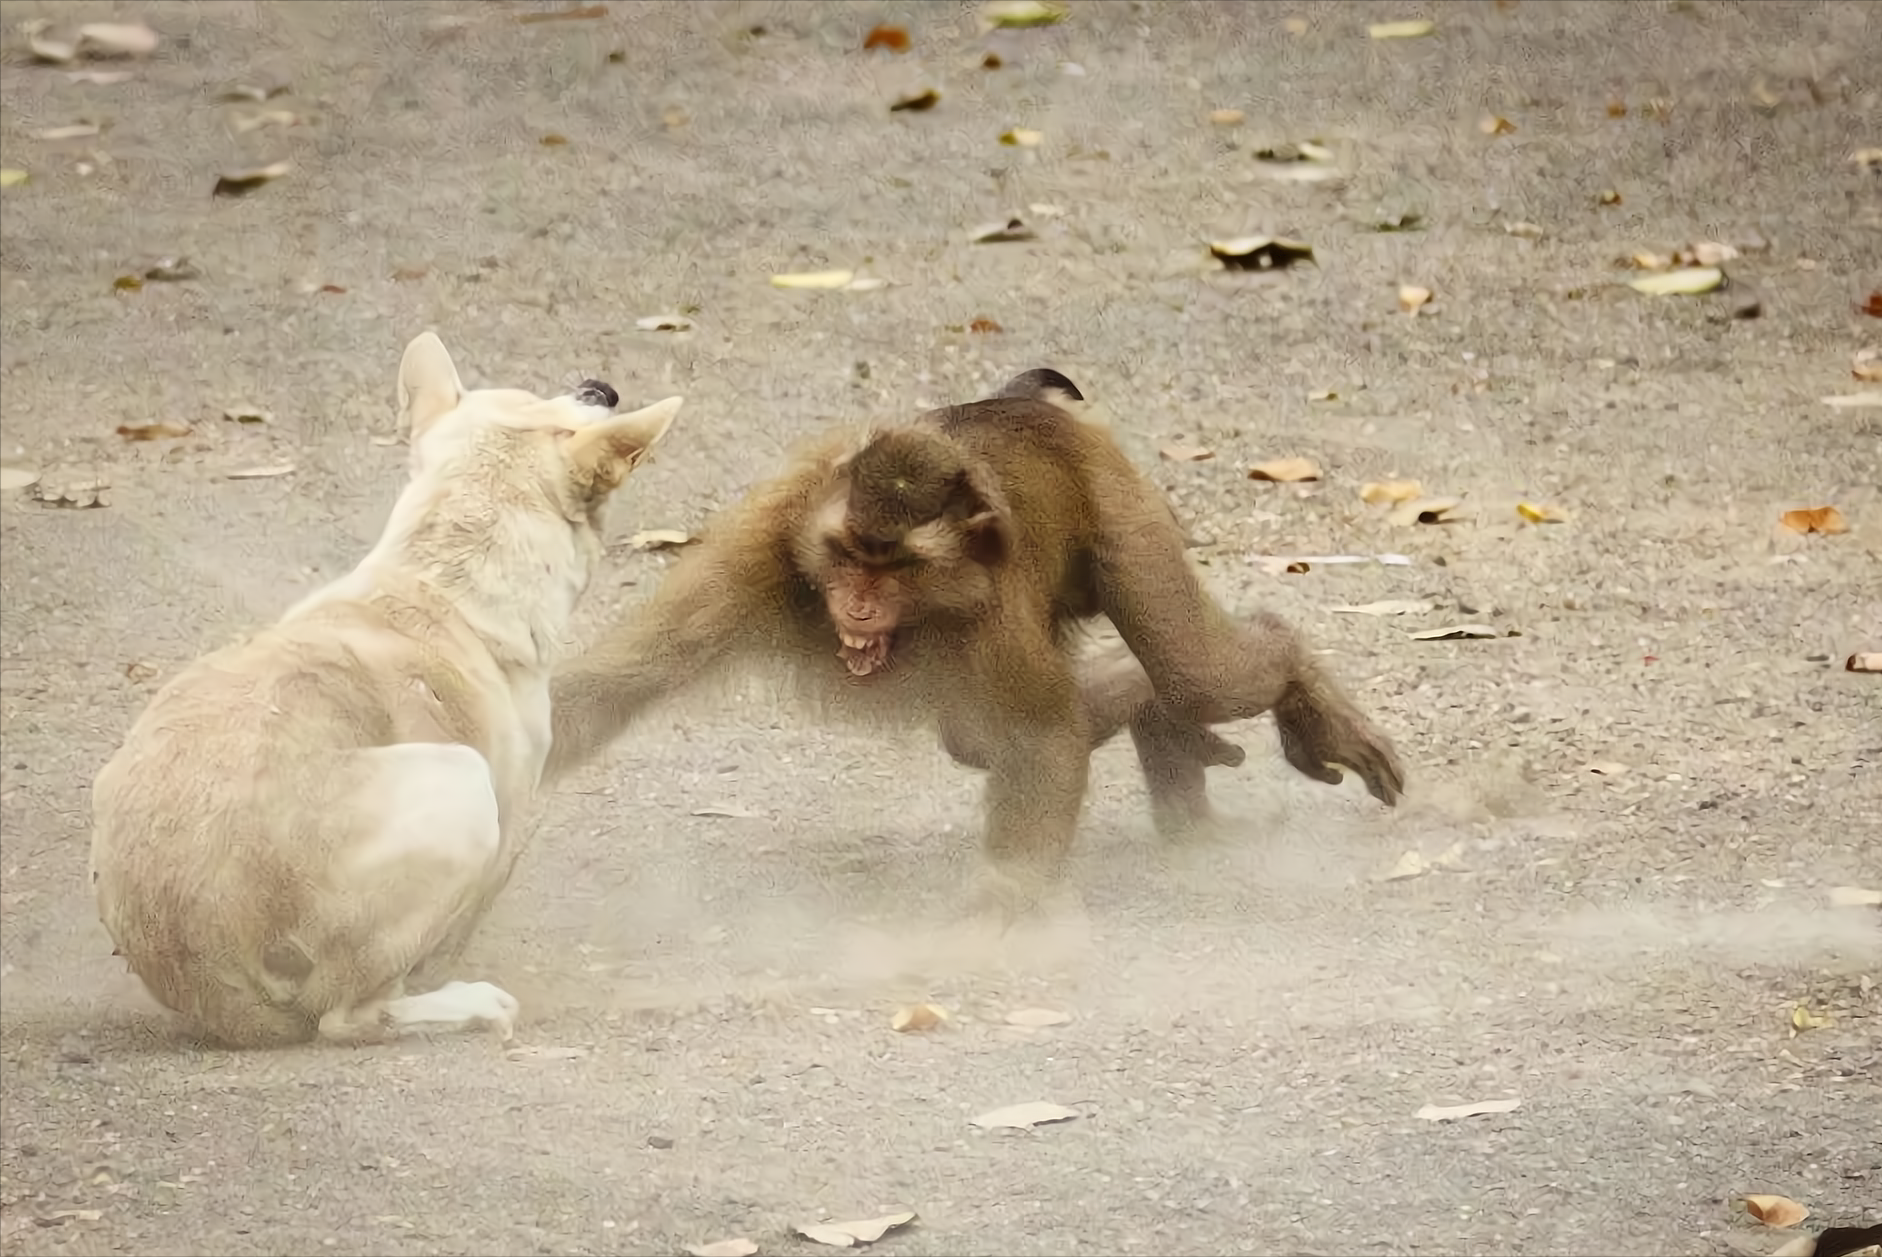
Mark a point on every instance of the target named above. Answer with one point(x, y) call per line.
point(298, 823)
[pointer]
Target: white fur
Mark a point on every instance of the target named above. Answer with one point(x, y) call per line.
point(301, 823)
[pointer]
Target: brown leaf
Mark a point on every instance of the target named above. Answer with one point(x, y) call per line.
point(1617, 109)
point(1779, 1211)
point(1226, 117)
point(1821, 519)
point(331, 288)
point(263, 473)
point(1426, 511)
point(1873, 306)
point(983, 326)
point(127, 283)
point(850, 1234)
point(919, 102)
point(1260, 253)
point(1608, 196)
point(1865, 661)
point(408, 274)
point(894, 38)
point(1867, 365)
point(991, 61)
point(1492, 124)
point(553, 140)
point(1285, 470)
point(581, 14)
point(1187, 453)
point(162, 430)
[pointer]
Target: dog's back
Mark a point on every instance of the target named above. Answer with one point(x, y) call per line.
point(234, 794)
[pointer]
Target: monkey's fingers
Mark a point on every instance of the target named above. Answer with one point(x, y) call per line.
point(1307, 760)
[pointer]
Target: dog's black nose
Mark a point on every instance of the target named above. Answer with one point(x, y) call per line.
point(595, 393)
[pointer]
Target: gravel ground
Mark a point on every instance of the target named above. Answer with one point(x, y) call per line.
point(1645, 791)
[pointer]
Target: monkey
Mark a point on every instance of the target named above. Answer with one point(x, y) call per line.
point(938, 571)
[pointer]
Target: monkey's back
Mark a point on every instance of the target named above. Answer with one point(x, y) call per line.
point(1048, 465)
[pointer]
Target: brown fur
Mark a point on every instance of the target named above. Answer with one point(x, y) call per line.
point(301, 823)
point(947, 563)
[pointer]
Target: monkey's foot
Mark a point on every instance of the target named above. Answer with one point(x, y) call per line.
point(1321, 732)
point(1005, 897)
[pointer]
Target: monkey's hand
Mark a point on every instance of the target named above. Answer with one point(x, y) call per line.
point(1321, 729)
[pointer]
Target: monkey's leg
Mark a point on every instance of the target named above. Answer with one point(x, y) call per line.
point(1204, 667)
point(1024, 724)
point(1173, 753)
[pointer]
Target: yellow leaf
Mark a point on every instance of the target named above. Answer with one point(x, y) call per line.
point(1401, 30)
point(1539, 514)
point(1775, 1210)
point(1803, 1019)
point(1020, 137)
point(10, 177)
point(1411, 298)
point(1689, 282)
point(1014, 14)
point(1494, 124)
point(1379, 492)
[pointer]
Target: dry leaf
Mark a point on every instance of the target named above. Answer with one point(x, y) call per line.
point(1803, 1019)
point(917, 1017)
point(127, 283)
point(1524, 230)
point(1854, 401)
point(253, 92)
point(1285, 154)
point(1779, 1211)
point(1617, 108)
point(894, 38)
point(241, 182)
point(1607, 196)
point(1187, 453)
point(1018, 14)
point(1805, 1245)
point(1411, 864)
point(1285, 470)
point(1295, 26)
point(117, 39)
point(660, 539)
point(1455, 632)
point(1323, 395)
point(1705, 253)
point(1226, 117)
point(1037, 1018)
point(1867, 365)
point(565, 15)
point(1432, 1113)
point(1857, 896)
point(11, 177)
point(103, 78)
point(1401, 30)
point(1867, 158)
point(723, 1248)
point(1536, 514)
point(268, 472)
point(244, 413)
point(1821, 519)
point(1024, 1116)
point(76, 131)
point(1389, 491)
point(1404, 220)
point(12, 478)
point(1873, 306)
point(916, 102)
point(1606, 768)
point(664, 323)
point(553, 140)
point(1390, 606)
point(175, 270)
point(1411, 298)
point(984, 327)
point(83, 494)
point(1260, 253)
point(850, 1234)
point(1494, 125)
point(1008, 232)
point(1427, 511)
point(162, 430)
point(1020, 137)
point(537, 1054)
point(1643, 260)
point(56, 51)
point(1687, 282)
point(814, 279)
point(267, 118)
point(1866, 661)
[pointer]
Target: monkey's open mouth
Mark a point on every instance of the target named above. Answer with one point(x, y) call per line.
point(865, 653)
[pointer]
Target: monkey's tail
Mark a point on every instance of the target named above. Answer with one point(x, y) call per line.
point(1043, 384)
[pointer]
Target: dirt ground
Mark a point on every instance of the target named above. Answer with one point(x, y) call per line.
point(1646, 790)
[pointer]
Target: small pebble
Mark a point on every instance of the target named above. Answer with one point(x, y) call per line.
point(661, 1142)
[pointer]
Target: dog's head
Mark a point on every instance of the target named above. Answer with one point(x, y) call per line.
point(579, 450)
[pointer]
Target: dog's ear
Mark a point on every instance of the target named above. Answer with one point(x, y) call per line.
point(428, 384)
point(601, 454)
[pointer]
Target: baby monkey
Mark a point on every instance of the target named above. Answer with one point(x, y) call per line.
point(937, 572)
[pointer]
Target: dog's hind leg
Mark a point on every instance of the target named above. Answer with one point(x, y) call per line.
point(421, 865)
